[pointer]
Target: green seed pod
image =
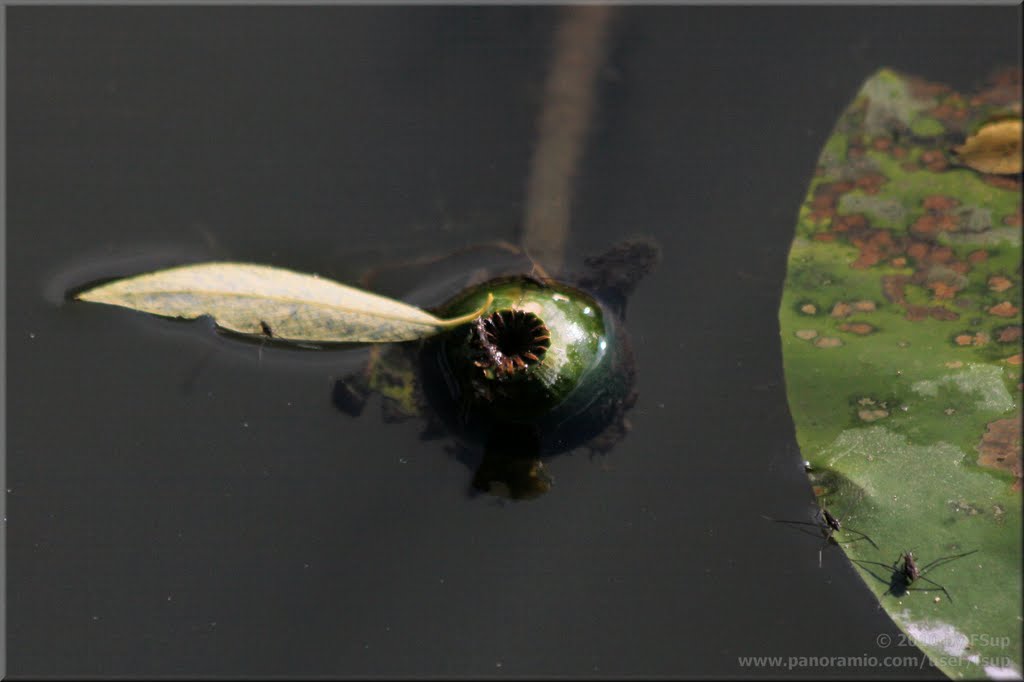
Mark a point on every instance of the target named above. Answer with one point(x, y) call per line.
point(546, 357)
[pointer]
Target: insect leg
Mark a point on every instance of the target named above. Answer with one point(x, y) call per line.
point(929, 580)
point(862, 536)
point(828, 532)
point(943, 560)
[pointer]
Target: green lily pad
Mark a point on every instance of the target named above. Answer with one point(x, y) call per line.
point(901, 337)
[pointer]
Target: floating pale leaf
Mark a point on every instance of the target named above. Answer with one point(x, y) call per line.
point(995, 148)
point(910, 420)
point(273, 302)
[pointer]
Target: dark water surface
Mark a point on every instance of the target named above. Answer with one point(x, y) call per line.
point(182, 504)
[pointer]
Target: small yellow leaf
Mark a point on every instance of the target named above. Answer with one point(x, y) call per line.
point(274, 303)
point(995, 148)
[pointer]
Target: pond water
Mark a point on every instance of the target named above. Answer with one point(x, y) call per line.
point(181, 504)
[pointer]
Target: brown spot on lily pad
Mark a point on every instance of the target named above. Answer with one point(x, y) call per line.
point(860, 328)
point(809, 309)
point(874, 246)
point(969, 339)
point(954, 364)
point(823, 204)
point(805, 334)
point(864, 306)
point(950, 112)
point(872, 415)
point(942, 314)
point(916, 313)
point(999, 284)
point(898, 262)
point(1009, 182)
point(917, 250)
point(1015, 359)
point(942, 290)
point(940, 254)
point(975, 257)
point(894, 288)
point(1004, 309)
point(870, 183)
point(1008, 334)
point(1000, 447)
point(841, 309)
point(959, 266)
point(828, 342)
point(934, 160)
point(855, 222)
point(925, 226)
point(938, 202)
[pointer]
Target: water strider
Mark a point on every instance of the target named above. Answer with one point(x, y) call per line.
point(829, 525)
point(905, 572)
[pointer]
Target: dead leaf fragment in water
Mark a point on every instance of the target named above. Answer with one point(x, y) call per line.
point(995, 148)
point(273, 302)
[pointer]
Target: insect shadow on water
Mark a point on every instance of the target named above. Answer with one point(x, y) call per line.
point(828, 525)
point(905, 572)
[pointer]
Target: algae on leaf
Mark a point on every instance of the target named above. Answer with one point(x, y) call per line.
point(901, 337)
